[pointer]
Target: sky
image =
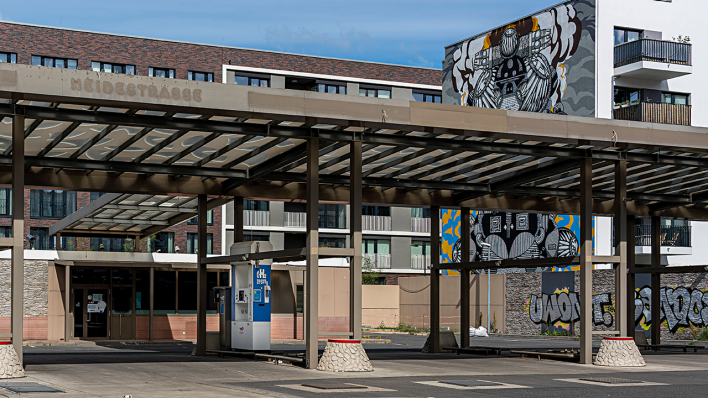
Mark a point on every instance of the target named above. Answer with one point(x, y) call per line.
point(412, 32)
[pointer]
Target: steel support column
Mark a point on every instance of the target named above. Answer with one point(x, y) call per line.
point(312, 256)
point(586, 261)
point(152, 302)
point(238, 221)
point(68, 324)
point(465, 279)
point(355, 227)
point(631, 277)
point(655, 280)
point(18, 231)
point(201, 274)
point(620, 221)
point(435, 279)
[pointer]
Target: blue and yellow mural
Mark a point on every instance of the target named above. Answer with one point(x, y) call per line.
point(503, 235)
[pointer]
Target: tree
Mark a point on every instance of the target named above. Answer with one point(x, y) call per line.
point(369, 276)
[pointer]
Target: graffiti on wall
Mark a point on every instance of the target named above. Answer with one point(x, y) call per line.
point(562, 308)
point(681, 307)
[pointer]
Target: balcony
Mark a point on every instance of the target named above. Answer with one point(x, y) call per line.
point(652, 59)
point(256, 218)
point(654, 112)
point(420, 261)
point(420, 225)
point(294, 220)
point(378, 261)
point(671, 235)
point(376, 223)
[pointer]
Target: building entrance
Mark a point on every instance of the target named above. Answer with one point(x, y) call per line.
point(90, 313)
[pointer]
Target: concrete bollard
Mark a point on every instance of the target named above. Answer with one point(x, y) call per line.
point(619, 351)
point(345, 356)
point(10, 367)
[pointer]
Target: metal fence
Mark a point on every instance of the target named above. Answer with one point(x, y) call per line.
point(420, 261)
point(295, 219)
point(377, 223)
point(652, 50)
point(655, 112)
point(256, 218)
point(671, 235)
point(379, 261)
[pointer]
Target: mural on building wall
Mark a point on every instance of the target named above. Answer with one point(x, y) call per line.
point(562, 308)
point(527, 65)
point(681, 307)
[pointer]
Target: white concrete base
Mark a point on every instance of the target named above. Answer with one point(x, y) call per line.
point(619, 351)
point(345, 356)
point(10, 367)
point(447, 339)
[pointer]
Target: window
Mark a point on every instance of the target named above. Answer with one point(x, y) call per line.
point(5, 232)
point(5, 202)
point(195, 220)
point(162, 242)
point(421, 248)
point(193, 243)
point(427, 97)
point(10, 58)
point(53, 62)
point(161, 72)
point(420, 212)
point(51, 204)
point(260, 205)
point(200, 76)
point(674, 99)
point(67, 243)
point(299, 299)
point(332, 216)
point(332, 242)
point(109, 244)
point(625, 35)
point(39, 239)
point(375, 92)
point(627, 96)
point(165, 283)
point(377, 246)
point(254, 238)
point(96, 195)
point(252, 81)
point(330, 88)
point(187, 292)
point(142, 292)
point(376, 211)
point(112, 68)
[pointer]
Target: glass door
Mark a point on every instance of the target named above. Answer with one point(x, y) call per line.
point(122, 318)
point(77, 313)
point(96, 313)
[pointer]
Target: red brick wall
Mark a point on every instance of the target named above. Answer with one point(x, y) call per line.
point(144, 53)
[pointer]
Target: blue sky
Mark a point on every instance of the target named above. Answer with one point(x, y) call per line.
point(412, 32)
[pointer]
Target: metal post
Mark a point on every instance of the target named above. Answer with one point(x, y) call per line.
point(435, 278)
point(620, 221)
point(58, 242)
point(238, 221)
point(18, 231)
point(465, 280)
point(312, 257)
point(631, 277)
point(67, 303)
point(655, 280)
point(152, 302)
point(355, 227)
point(201, 274)
point(586, 261)
point(489, 297)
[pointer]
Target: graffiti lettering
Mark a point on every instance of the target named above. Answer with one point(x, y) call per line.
point(565, 307)
point(681, 307)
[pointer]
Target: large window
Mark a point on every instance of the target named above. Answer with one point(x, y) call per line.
point(10, 58)
point(51, 204)
point(5, 232)
point(252, 81)
point(193, 243)
point(110, 244)
point(142, 291)
point(256, 238)
point(166, 286)
point(332, 242)
point(626, 35)
point(161, 72)
point(330, 88)
point(332, 216)
point(5, 202)
point(195, 220)
point(200, 76)
point(96, 195)
point(627, 96)
point(112, 68)
point(375, 92)
point(377, 246)
point(54, 62)
point(419, 247)
point(674, 99)
point(420, 212)
point(376, 211)
point(427, 97)
point(162, 242)
point(39, 239)
point(260, 205)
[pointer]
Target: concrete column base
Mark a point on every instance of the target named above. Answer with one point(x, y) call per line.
point(10, 367)
point(447, 339)
point(345, 356)
point(619, 351)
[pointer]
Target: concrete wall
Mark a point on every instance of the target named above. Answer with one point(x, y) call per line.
point(380, 305)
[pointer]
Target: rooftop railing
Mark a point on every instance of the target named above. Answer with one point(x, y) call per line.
point(652, 50)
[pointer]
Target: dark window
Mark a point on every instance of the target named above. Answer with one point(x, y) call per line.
point(122, 276)
point(224, 278)
point(39, 239)
point(187, 292)
point(330, 88)
point(626, 35)
point(627, 96)
point(254, 238)
point(110, 244)
point(332, 216)
point(260, 205)
point(427, 97)
point(376, 211)
point(162, 242)
point(195, 220)
point(89, 276)
point(299, 299)
point(166, 285)
point(51, 204)
point(252, 81)
point(674, 99)
point(67, 243)
point(193, 243)
point(5, 232)
point(5, 202)
point(332, 242)
point(212, 282)
point(54, 62)
point(112, 68)
point(200, 76)
point(142, 292)
point(420, 212)
point(161, 72)
point(375, 92)
point(10, 58)
point(96, 195)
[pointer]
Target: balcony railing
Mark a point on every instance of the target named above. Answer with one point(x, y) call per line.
point(293, 219)
point(420, 224)
point(654, 112)
point(652, 50)
point(671, 235)
point(420, 261)
point(376, 223)
point(379, 261)
point(256, 218)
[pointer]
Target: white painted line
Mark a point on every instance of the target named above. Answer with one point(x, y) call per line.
point(499, 387)
point(597, 383)
point(300, 387)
